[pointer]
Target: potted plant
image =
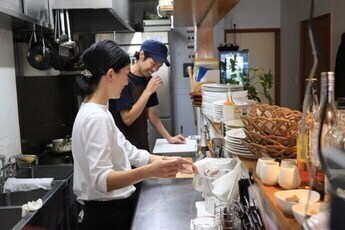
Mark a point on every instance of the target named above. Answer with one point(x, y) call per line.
point(258, 76)
point(255, 76)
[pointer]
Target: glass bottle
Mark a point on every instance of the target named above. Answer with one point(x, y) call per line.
point(204, 138)
point(317, 174)
point(329, 122)
point(339, 129)
point(304, 133)
point(330, 111)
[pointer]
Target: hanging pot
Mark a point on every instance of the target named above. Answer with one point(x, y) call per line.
point(40, 54)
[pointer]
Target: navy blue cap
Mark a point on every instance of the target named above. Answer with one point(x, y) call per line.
point(157, 50)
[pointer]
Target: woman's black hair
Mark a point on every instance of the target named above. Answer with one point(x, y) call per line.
point(98, 59)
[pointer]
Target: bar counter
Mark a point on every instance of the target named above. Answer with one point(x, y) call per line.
point(166, 204)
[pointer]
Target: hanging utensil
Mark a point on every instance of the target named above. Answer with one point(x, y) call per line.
point(63, 36)
point(57, 26)
point(69, 44)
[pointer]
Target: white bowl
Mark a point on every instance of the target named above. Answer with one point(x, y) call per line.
point(205, 222)
point(298, 210)
point(302, 195)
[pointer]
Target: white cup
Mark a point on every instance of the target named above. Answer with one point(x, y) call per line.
point(261, 160)
point(289, 177)
point(269, 172)
point(288, 162)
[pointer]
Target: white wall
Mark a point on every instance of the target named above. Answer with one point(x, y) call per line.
point(249, 14)
point(9, 122)
point(292, 13)
point(287, 16)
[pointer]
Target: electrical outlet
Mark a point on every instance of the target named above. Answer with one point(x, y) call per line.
point(191, 56)
point(185, 71)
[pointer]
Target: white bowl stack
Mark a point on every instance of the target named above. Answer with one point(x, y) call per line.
point(215, 92)
point(218, 111)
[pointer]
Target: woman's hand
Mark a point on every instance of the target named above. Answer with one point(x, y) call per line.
point(185, 166)
point(164, 167)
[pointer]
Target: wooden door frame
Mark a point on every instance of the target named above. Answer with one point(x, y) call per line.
point(276, 32)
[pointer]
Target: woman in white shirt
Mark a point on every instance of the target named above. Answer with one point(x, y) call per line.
point(103, 177)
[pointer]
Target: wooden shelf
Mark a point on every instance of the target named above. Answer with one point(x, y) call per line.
point(204, 15)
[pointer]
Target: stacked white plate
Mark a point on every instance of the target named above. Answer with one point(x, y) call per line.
point(233, 124)
point(214, 92)
point(218, 111)
point(233, 143)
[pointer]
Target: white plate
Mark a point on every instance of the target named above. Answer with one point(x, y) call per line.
point(236, 151)
point(233, 140)
point(249, 156)
point(244, 152)
point(236, 133)
point(237, 123)
point(239, 147)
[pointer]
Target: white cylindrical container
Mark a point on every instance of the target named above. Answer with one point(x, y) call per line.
point(228, 112)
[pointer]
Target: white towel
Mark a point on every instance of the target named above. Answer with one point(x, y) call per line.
point(31, 206)
point(25, 184)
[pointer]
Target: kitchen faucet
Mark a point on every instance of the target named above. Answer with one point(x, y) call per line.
point(10, 169)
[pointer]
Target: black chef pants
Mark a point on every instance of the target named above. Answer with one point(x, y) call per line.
point(114, 214)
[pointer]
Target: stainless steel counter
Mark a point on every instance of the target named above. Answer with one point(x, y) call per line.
point(166, 204)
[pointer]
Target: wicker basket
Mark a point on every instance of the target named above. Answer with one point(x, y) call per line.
point(270, 126)
point(275, 151)
point(274, 111)
point(253, 137)
point(271, 130)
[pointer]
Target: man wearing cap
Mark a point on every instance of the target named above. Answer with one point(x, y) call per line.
point(139, 98)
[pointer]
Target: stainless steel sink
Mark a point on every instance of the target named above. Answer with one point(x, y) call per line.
point(10, 216)
point(54, 200)
point(20, 198)
point(10, 204)
point(58, 172)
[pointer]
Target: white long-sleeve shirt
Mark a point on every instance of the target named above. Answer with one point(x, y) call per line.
point(98, 148)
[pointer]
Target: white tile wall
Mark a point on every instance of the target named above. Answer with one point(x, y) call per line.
point(9, 122)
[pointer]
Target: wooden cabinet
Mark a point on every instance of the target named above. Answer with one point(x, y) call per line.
point(203, 15)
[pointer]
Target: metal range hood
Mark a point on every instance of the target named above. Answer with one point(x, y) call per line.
point(99, 16)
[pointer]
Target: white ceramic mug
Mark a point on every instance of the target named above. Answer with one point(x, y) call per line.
point(288, 162)
point(269, 172)
point(289, 177)
point(261, 160)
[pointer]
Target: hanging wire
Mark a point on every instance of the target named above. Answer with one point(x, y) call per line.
point(306, 101)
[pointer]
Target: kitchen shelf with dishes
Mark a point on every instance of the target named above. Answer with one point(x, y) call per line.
point(268, 131)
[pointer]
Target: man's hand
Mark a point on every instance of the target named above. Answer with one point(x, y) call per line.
point(178, 139)
point(154, 84)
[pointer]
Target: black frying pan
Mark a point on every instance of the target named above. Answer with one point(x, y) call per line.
point(40, 54)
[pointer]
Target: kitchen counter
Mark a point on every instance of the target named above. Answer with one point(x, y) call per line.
point(166, 204)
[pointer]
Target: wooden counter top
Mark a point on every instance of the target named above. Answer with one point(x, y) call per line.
point(282, 220)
